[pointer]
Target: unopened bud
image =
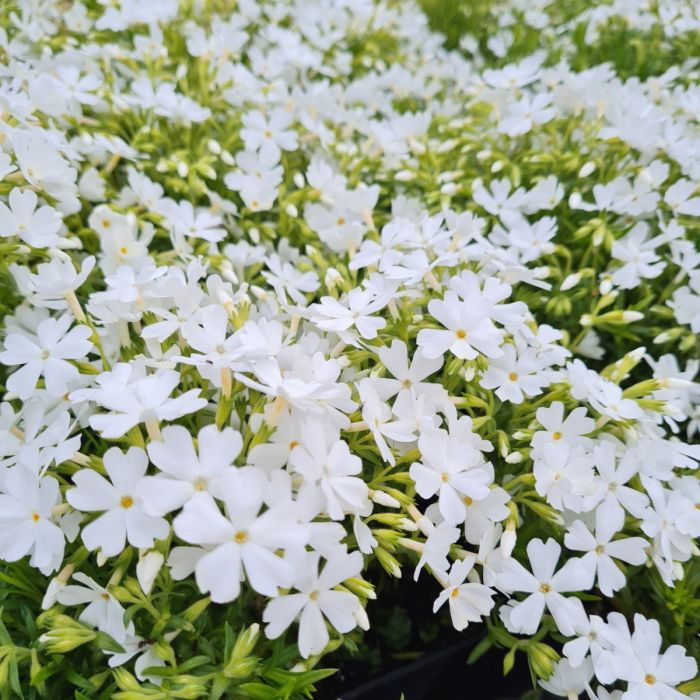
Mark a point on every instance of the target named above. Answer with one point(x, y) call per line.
point(384, 499)
point(587, 169)
point(570, 281)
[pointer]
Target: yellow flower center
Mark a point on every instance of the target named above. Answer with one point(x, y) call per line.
point(455, 592)
point(512, 376)
point(126, 502)
point(649, 679)
point(467, 501)
point(240, 536)
point(461, 334)
point(35, 517)
point(200, 484)
point(545, 588)
point(557, 435)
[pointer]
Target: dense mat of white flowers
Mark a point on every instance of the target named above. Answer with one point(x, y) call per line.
point(291, 288)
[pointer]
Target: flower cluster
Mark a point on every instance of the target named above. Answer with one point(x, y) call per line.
point(297, 297)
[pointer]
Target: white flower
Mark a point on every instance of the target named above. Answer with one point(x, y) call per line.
point(317, 599)
point(325, 462)
point(469, 332)
point(601, 549)
point(637, 659)
point(379, 419)
point(406, 378)
point(245, 541)
point(36, 227)
point(573, 428)
point(468, 602)
point(184, 470)
point(567, 680)
point(131, 401)
point(53, 282)
point(269, 133)
point(454, 470)
point(565, 476)
point(123, 519)
point(545, 589)
point(47, 355)
point(147, 657)
point(679, 197)
point(103, 611)
point(515, 375)
point(332, 315)
point(26, 519)
point(436, 548)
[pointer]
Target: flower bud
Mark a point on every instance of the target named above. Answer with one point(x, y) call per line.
point(384, 499)
point(542, 659)
point(508, 539)
point(298, 180)
point(570, 281)
point(241, 664)
point(333, 278)
point(147, 569)
point(587, 169)
point(388, 562)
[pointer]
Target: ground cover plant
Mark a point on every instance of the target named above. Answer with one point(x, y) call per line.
point(302, 297)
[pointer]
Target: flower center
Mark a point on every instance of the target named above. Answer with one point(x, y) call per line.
point(545, 588)
point(200, 484)
point(455, 592)
point(35, 517)
point(240, 537)
point(313, 595)
point(512, 376)
point(293, 444)
point(340, 221)
point(126, 502)
point(104, 596)
point(45, 354)
point(445, 477)
point(599, 549)
point(123, 250)
point(556, 435)
point(461, 334)
point(467, 500)
point(649, 679)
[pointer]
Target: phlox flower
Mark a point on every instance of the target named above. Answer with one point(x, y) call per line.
point(544, 588)
point(244, 542)
point(185, 471)
point(27, 524)
point(315, 601)
point(468, 602)
point(123, 517)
